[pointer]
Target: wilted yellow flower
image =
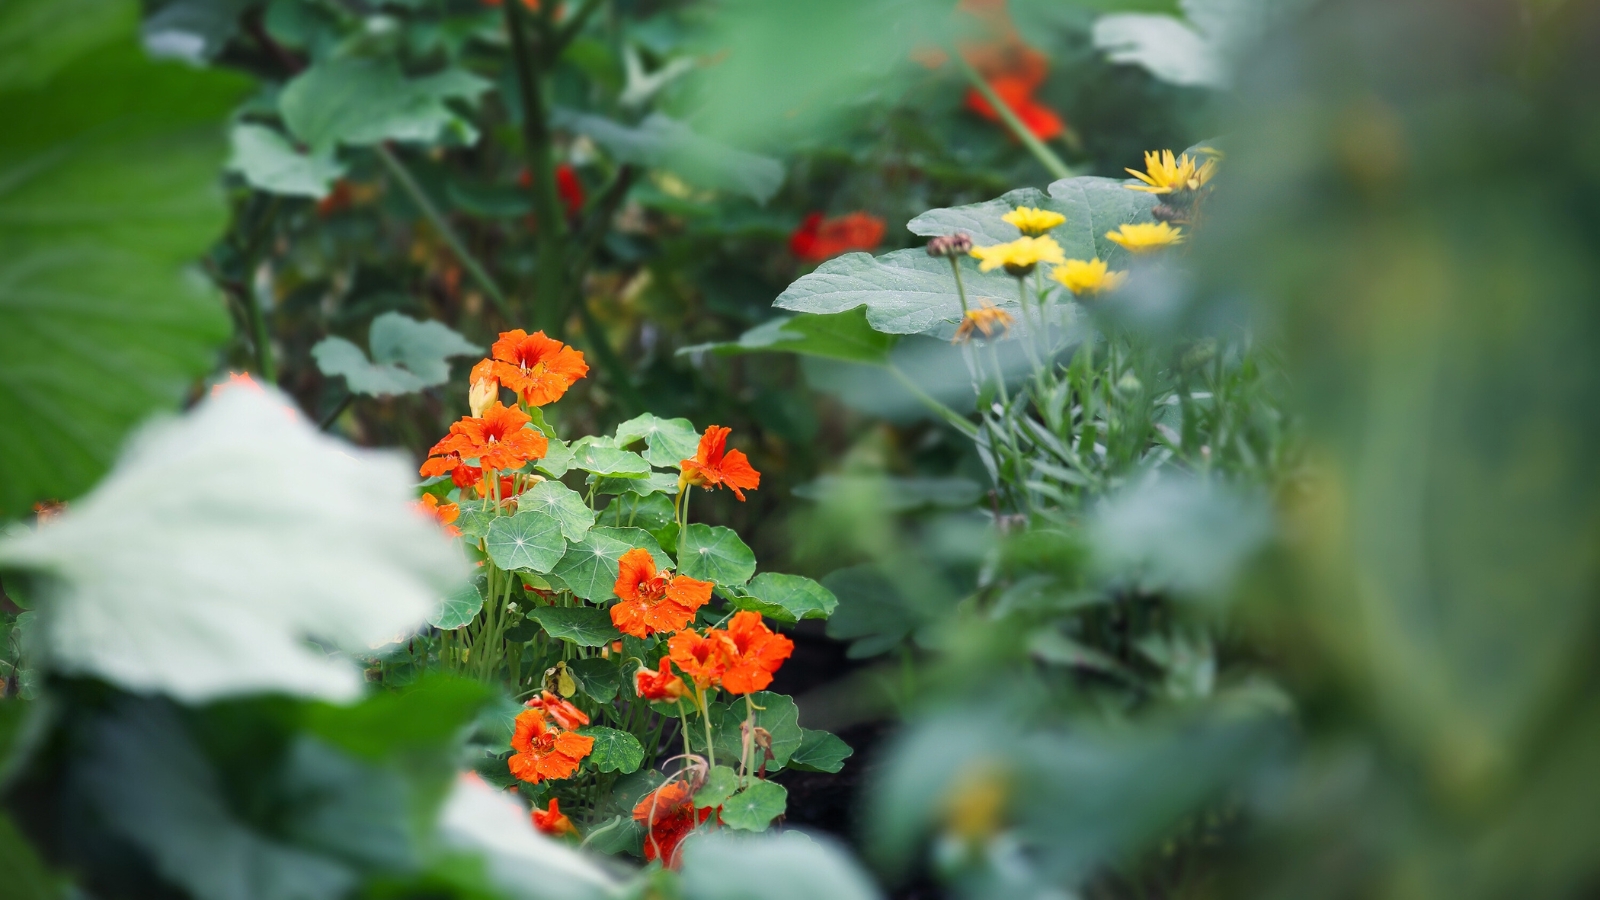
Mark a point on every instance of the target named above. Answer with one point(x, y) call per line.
point(987, 318)
point(1019, 256)
point(1033, 222)
point(1165, 174)
point(1092, 277)
point(1145, 237)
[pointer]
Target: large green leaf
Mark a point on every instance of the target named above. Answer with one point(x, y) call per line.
point(905, 292)
point(1093, 207)
point(847, 336)
point(614, 751)
point(776, 713)
point(597, 457)
point(529, 541)
point(715, 554)
point(107, 193)
point(661, 142)
point(668, 441)
point(361, 102)
point(460, 607)
point(819, 751)
point(786, 598)
point(407, 356)
point(27, 876)
point(561, 503)
point(585, 626)
point(787, 865)
point(589, 568)
point(754, 808)
point(721, 783)
point(269, 163)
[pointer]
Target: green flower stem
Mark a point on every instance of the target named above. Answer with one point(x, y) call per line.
point(961, 288)
point(547, 211)
point(705, 717)
point(951, 417)
point(1046, 157)
point(683, 729)
point(408, 183)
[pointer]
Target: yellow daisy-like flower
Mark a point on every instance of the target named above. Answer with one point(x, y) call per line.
point(1092, 277)
point(987, 318)
point(1019, 256)
point(1033, 222)
point(1146, 237)
point(1165, 174)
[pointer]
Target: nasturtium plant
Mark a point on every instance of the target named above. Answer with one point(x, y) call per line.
point(587, 615)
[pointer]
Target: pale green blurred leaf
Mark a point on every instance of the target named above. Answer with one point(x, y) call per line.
point(268, 162)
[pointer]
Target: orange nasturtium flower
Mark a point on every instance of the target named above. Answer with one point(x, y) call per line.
point(552, 821)
point(451, 463)
point(499, 439)
point(443, 513)
point(660, 683)
point(543, 751)
point(564, 713)
point(653, 601)
point(537, 367)
point(757, 653)
point(701, 657)
point(669, 815)
point(714, 465)
point(236, 380)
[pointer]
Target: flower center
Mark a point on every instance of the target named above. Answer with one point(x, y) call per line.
point(651, 590)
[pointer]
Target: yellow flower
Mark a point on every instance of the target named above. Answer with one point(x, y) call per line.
point(987, 318)
point(1090, 277)
point(1145, 237)
point(1033, 222)
point(1166, 174)
point(1019, 256)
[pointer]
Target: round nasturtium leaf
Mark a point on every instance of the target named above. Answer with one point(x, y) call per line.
point(715, 554)
point(528, 541)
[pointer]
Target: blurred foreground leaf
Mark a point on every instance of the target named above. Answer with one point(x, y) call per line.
point(109, 192)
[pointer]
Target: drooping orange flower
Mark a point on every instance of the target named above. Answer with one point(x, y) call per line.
point(498, 440)
point(539, 368)
point(443, 513)
point(818, 239)
point(669, 815)
point(653, 601)
point(564, 713)
point(552, 821)
point(757, 653)
point(702, 657)
point(715, 465)
point(544, 751)
point(659, 684)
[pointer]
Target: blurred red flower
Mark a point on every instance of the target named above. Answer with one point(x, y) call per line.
point(818, 239)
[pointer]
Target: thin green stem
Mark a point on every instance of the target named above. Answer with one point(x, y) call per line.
point(705, 716)
point(951, 417)
point(265, 366)
point(547, 210)
point(425, 204)
point(1044, 154)
point(961, 288)
point(621, 379)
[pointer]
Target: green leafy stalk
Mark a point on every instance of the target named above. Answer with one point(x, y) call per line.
point(547, 212)
point(408, 183)
point(1046, 157)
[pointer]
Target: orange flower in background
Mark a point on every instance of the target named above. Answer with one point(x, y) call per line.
point(443, 513)
point(552, 822)
point(498, 440)
point(565, 714)
point(545, 752)
point(539, 368)
point(758, 652)
point(653, 601)
point(701, 657)
point(659, 684)
point(817, 239)
point(714, 465)
point(669, 815)
point(508, 488)
point(1012, 69)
